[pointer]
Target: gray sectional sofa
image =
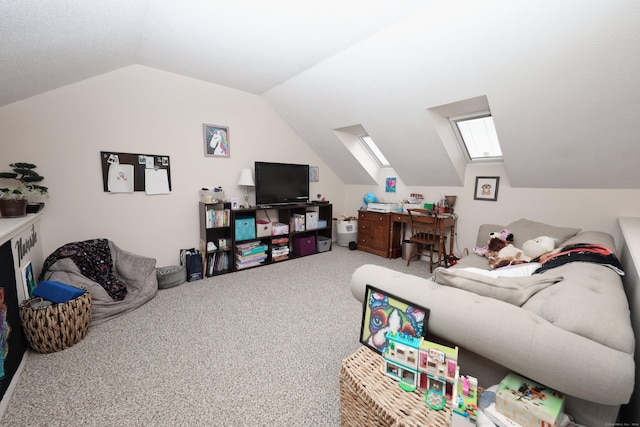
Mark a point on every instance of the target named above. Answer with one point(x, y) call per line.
point(573, 333)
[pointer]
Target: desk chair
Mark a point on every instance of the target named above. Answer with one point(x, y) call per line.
point(425, 233)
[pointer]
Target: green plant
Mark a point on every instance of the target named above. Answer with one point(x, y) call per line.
point(28, 178)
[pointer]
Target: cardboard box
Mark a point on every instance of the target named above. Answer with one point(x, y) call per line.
point(528, 403)
point(263, 228)
point(245, 228)
point(304, 245)
point(324, 244)
point(278, 229)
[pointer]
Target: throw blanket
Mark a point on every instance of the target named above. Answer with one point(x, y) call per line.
point(512, 289)
point(582, 252)
point(93, 258)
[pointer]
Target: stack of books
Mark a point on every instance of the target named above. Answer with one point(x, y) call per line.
point(521, 402)
point(217, 218)
point(280, 249)
point(217, 262)
point(250, 254)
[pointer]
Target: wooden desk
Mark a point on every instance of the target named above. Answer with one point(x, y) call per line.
point(446, 221)
point(382, 233)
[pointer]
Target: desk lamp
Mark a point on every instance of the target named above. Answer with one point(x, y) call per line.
point(246, 179)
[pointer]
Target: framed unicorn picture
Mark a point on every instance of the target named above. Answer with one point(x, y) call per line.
point(383, 313)
point(216, 140)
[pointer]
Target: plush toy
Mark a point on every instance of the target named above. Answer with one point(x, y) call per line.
point(531, 249)
point(539, 246)
point(497, 241)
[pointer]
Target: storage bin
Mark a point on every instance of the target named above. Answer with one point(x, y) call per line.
point(245, 228)
point(324, 244)
point(312, 220)
point(57, 326)
point(322, 223)
point(263, 228)
point(304, 245)
point(347, 232)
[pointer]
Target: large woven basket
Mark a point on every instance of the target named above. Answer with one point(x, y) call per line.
point(57, 326)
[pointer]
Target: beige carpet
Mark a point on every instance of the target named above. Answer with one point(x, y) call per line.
point(260, 347)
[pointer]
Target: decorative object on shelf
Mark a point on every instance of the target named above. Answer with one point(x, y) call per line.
point(369, 198)
point(487, 188)
point(216, 140)
point(383, 312)
point(246, 179)
point(450, 200)
point(14, 200)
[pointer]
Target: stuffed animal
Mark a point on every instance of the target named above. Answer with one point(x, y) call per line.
point(497, 241)
point(531, 249)
point(509, 255)
point(539, 246)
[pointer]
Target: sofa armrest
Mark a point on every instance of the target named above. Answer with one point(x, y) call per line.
point(511, 336)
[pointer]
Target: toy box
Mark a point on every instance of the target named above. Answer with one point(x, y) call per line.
point(245, 228)
point(263, 228)
point(304, 245)
point(278, 229)
point(529, 403)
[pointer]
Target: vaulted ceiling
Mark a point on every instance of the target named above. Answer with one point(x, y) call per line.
point(560, 77)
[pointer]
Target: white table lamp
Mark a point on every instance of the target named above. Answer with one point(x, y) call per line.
point(246, 179)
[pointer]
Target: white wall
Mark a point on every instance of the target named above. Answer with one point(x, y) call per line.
point(142, 110)
point(585, 209)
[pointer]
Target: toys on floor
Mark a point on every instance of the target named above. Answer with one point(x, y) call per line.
point(464, 410)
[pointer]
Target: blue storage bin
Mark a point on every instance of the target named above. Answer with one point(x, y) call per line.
point(245, 228)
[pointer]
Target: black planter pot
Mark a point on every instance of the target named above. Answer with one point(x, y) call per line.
point(34, 207)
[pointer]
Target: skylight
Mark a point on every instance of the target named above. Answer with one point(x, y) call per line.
point(375, 152)
point(478, 137)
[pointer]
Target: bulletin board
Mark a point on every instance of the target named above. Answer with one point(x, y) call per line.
point(140, 163)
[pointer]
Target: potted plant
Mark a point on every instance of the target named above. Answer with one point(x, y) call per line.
point(14, 200)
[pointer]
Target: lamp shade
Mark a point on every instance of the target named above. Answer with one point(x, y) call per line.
point(246, 178)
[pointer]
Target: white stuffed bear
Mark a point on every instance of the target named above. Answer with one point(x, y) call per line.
point(538, 246)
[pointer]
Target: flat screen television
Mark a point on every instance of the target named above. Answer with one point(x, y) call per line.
point(281, 183)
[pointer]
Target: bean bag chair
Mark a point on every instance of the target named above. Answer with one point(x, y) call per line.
point(119, 281)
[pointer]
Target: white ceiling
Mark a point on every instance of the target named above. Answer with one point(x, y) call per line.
point(561, 77)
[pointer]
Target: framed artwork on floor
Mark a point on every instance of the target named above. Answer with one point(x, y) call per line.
point(383, 312)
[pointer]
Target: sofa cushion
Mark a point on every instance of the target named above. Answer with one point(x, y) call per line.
point(526, 229)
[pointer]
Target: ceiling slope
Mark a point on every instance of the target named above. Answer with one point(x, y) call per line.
point(560, 78)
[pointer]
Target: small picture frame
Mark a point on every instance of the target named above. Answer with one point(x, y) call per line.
point(380, 306)
point(487, 188)
point(235, 203)
point(216, 141)
point(391, 184)
point(28, 279)
point(314, 174)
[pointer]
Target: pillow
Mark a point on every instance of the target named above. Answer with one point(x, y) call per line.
point(525, 229)
point(513, 290)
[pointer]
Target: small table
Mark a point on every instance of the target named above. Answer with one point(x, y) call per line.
point(370, 398)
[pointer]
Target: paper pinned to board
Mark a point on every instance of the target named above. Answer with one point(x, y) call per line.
point(156, 181)
point(120, 178)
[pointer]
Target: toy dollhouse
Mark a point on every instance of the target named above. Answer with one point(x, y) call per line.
point(433, 368)
point(438, 373)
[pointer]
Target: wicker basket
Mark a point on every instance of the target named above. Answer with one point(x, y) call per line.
point(57, 326)
point(370, 398)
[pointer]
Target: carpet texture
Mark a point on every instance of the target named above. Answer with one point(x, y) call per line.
point(260, 347)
